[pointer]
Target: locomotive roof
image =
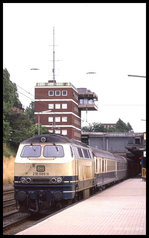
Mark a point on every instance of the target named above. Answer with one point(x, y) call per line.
point(53, 138)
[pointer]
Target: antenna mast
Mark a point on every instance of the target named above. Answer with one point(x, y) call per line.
point(53, 70)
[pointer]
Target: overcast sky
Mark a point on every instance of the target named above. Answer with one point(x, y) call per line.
point(106, 38)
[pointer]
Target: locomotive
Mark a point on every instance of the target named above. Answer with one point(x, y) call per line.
point(53, 169)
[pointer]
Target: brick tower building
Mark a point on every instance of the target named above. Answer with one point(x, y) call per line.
point(58, 106)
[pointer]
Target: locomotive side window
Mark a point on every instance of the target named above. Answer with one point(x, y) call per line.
point(75, 151)
point(80, 153)
point(53, 151)
point(86, 155)
point(31, 151)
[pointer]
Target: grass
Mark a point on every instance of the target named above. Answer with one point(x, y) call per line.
point(8, 170)
point(8, 164)
point(8, 151)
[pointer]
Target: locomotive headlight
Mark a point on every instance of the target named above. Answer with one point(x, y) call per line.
point(25, 180)
point(56, 179)
point(53, 180)
point(59, 179)
point(28, 180)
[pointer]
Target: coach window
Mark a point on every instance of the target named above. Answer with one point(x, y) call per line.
point(57, 93)
point(64, 92)
point(105, 166)
point(51, 93)
point(97, 161)
point(102, 165)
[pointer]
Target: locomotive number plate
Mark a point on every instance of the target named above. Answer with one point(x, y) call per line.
point(40, 168)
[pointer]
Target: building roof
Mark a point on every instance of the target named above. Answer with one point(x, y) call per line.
point(55, 84)
point(111, 134)
point(84, 92)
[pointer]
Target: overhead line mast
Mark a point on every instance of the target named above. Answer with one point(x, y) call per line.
point(53, 55)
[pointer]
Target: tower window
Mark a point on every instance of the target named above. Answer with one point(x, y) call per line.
point(57, 119)
point(64, 132)
point(57, 106)
point(64, 119)
point(57, 93)
point(64, 106)
point(50, 119)
point(57, 131)
point(51, 93)
point(64, 93)
point(51, 106)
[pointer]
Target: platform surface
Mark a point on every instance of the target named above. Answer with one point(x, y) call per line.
point(118, 210)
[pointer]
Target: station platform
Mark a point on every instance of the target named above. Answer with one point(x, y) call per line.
point(118, 210)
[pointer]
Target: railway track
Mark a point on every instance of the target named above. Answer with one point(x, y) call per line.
point(11, 216)
point(14, 221)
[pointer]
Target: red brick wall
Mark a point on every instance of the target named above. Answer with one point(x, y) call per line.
point(42, 93)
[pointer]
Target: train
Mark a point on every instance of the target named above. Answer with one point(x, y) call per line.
point(52, 169)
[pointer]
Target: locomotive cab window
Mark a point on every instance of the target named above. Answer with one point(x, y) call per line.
point(53, 151)
point(31, 151)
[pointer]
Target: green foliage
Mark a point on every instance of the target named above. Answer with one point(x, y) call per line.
point(34, 130)
point(30, 111)
point(17, 125)
point(20, 125)
point(8, 150)
point(10, 95)
point(98, 127)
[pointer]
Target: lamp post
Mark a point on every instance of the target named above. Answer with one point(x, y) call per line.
point(140, 76)
point(39, 119)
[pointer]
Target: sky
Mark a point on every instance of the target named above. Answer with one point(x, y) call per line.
point(106, 38)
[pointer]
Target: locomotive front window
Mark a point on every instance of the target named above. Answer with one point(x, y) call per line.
point(53, 151)
point(31, 151)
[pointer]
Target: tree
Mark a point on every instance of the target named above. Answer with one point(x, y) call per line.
point(129, 127)
point(98, 127)
point(30, 111)
point(10, 95)
point(121, 126)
